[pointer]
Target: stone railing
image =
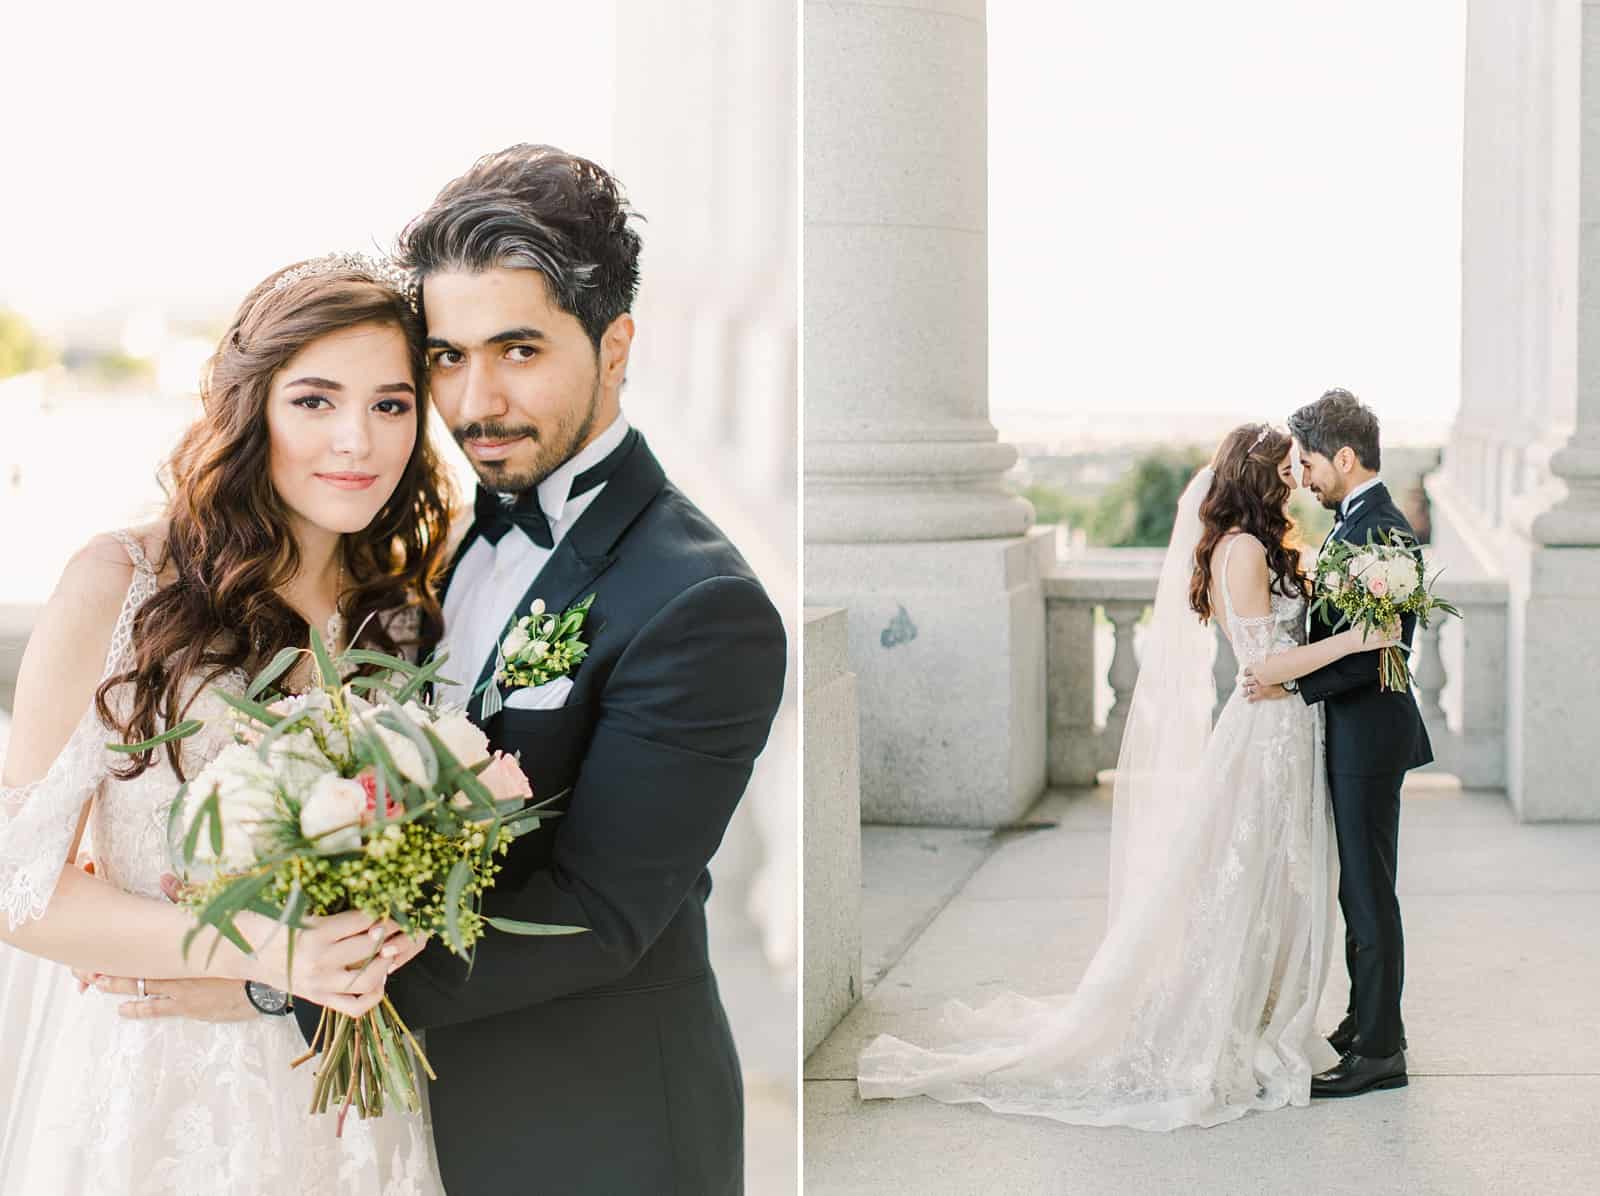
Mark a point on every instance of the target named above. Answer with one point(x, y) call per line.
point(1094, 606)
point(16, 623)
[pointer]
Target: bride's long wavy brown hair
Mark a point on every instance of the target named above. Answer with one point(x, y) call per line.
point(1248, 494)
point(228, 539)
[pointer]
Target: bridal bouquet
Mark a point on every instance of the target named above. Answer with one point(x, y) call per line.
point(351, 796)
point(1373, 586)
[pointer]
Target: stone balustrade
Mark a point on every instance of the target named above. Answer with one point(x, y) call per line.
point(16, 623)
point(1094, 609)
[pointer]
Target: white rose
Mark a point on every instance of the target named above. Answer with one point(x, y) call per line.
point(1401, 574)
point(1362, 562)
point(537, 608)
point(247, 798)
point(403, 752)
point(464, 740)
point(331, 816)
point(515, 642)
point(297, 762)
point(538, 650)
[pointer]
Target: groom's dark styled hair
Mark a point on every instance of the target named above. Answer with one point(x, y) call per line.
point(1336, 419)
point(535, 207)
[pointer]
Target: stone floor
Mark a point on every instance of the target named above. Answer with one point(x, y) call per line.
point(1502, 1009)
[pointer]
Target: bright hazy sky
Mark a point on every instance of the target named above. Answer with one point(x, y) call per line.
point(1225, 206)
point(1192, 207)
point(187, 150)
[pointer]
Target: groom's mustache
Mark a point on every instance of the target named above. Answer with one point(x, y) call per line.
point(493, 431)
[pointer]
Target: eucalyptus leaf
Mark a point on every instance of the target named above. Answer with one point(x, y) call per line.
point(280, 665)
point(325, 666)
point(244, 705)
point(393, 663)
point(454, 887)
point(428, 672)
point(512, 926)
point(182, 731)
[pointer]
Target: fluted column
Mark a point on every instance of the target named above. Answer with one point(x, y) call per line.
point(898, 440)
point(1519, 499)
point(908, 522)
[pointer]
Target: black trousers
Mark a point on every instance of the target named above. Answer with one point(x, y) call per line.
point(1366, 816)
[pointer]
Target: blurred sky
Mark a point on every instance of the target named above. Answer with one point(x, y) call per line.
point(179, 153)
point(1224, 206)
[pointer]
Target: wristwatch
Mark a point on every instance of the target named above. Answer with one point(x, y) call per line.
point(273, 1002)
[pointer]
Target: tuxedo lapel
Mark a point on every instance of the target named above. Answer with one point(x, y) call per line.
point(1367, 505)
point(587, 550)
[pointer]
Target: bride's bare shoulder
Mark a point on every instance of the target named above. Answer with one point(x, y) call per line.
point(96, 577)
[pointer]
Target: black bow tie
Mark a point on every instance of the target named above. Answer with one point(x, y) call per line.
point(493, 517)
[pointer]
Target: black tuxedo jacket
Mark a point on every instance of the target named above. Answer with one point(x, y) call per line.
point(602, 1062)
point(1370, 732)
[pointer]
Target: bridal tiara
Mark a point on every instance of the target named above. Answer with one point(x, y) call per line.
point(385, 270)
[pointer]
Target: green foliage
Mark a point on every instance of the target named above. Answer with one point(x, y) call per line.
point(1313, 520)
point(1054, 505)
point(21, 349)
point(116, 366)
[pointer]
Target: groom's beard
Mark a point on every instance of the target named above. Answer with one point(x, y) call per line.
point(552, 453)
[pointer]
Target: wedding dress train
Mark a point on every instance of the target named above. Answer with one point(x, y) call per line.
point(91, 1102)
point(1200, 1003)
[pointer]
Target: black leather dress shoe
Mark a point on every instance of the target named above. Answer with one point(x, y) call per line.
point(1343, 1040)
point(1355, 1074)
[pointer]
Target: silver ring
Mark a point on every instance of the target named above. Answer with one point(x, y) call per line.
point(143, 994)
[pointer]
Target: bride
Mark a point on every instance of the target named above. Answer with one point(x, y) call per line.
point(1200, 1002)
point(307, 494)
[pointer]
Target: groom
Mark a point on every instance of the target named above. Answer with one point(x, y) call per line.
point(1373, 737)
point(602, 1061)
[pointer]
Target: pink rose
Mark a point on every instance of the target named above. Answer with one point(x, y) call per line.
point(369, 784)
point(1377, 586)
point(505, 779)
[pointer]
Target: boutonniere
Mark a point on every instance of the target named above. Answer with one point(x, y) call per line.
point(537, 648)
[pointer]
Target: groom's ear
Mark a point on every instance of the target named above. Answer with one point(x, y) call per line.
point(615, 344)
point(1345, 459)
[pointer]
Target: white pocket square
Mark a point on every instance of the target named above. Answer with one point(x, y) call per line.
point(552, 695)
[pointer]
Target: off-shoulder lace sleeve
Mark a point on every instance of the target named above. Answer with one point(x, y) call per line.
point(38, 820)
point(1252, 636)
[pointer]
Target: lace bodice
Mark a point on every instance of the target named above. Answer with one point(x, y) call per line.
point(1255, 637)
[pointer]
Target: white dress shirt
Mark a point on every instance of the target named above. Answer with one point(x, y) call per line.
point(492, 578)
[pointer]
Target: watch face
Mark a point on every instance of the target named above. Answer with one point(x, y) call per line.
point(268, 1000)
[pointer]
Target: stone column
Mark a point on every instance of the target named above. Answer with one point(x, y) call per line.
point(908, 523)
point(705, 143)
point(1520, 496)
point(832, 980)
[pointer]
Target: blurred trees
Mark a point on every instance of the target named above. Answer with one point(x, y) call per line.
point(21, 349)
point(1136, 510)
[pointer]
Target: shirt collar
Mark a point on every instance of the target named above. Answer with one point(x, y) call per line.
point(1348, 506)
point(555, 489)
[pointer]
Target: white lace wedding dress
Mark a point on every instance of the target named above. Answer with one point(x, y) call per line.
point(1200, 1003)
point(94, 1103)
